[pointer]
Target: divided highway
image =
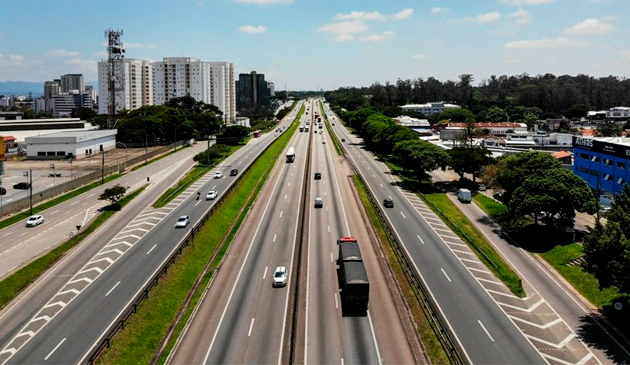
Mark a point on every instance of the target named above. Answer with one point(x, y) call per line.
point(66, 314)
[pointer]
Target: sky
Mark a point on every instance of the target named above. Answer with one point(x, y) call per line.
point(323, 44)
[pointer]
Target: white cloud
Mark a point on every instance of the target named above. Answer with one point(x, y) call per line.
point(526, 2)
point(344, 37)
point(16, 57)
point(101, 54)
point(545, 43)
point(80, 62)
point(138, 45)
point(438, 9)
point(64, 53)
point(374, 37)
point(589, 26)
point(420, 56)
point(403, 14)
point(351, 27)
point(264, 2)
point(521, 15)
point(488, 17)
point(361, 15)
point(609, 19)
point(252, 29)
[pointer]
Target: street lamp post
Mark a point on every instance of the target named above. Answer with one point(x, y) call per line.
point(102, 165)
point(29, 180)
point(124, 145)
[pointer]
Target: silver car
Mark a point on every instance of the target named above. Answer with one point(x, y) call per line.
point(182, 221)
point(280, 276)
point(34, 220)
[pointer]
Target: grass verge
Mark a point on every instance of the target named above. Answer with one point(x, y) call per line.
point(193, 175)
point(333, 136)
point(558, 257)
point(13, 284)
point(461, 224)
point(156, 159)
point(51, 203)
point(432, 345)
point(144, 332)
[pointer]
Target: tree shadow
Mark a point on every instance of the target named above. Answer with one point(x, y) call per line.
point(111, 208)
point(593, 332)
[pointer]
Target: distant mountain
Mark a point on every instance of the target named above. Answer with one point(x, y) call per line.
point(21, 88)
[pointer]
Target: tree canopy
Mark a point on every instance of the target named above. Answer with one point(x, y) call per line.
point(420, 157)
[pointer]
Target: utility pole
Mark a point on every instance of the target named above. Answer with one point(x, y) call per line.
point(102, 165)
point(30, 188)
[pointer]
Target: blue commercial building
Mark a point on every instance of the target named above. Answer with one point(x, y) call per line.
point(603, 162)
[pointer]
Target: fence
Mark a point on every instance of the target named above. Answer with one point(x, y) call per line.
point(24, 203)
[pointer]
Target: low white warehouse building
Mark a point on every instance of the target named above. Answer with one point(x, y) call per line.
point(62, 145)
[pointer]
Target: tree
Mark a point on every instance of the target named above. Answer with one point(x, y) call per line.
point(420, 156)
point(554, 192)
point(577, 111)
point(237, 131)
point(113, 194)
point(83, 113)
point(469, 160)
point(607, 255)
point(496, 115)
point(609, 129)
point(457, 115)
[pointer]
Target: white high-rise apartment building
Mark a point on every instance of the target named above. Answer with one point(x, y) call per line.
point(134, 81)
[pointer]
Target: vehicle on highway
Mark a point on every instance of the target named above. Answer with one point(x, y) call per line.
point(464, 195)
point(280, 276)
point(355, 287)
point(319, 202)
point(218, 175)
point(301, 128)
point(212, 194)
point(482, 187)
point(233, 172)
point(323, 141)
point(291, 154)
point(318, 176)
point(388, 203)
point(54, 174)
point(182, 221)
point(22, 185)
point(333, 124)
point(34, 220)
point(343, 140)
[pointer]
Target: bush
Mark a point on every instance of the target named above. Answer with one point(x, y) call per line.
point(215, 152)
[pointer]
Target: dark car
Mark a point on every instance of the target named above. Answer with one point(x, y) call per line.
point(233, 172)
point(343, 140)
point(388, 203)
point(318, 176)
point(22, 185)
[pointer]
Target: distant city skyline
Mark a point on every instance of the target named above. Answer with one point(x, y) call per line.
point(324, 44)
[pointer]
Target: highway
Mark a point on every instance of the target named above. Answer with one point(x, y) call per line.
point(67, 312)
point(480, 327)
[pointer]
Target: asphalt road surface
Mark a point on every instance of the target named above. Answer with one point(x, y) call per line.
point(67, 312)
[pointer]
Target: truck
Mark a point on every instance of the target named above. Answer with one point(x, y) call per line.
point(354, 284)
point(291, 155)
point(301, 128)
point(305, 128)
point(464, 195)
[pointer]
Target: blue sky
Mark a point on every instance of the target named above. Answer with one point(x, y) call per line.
point(316, 43)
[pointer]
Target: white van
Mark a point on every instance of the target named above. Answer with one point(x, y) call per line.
point(464, 195)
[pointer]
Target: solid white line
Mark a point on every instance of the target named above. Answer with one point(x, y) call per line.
point(401, 213)
point(274, 237)
point(420, 239)
point(485, 330)
point(444, 272)
point(249, 333)
point(55, 349)
point(378, 354)
point(112, 289)
point(148, 252)
point(265, 274)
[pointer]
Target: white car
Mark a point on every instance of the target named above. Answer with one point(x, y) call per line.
point(218, 175)
point(212, 194)
point(323, 141)
point(34, 220)
point(182, 221)
point(280, 276)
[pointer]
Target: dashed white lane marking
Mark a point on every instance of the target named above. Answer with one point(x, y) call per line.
point(112, 289)
point(91, 195)
point(381, 185)
point(75, 202)
point(265, 273)
point(251, 325)
point(55, 349)
point(331, 257)
point(444, 272)
point(8, 234)
point(55, 212)
point(280, 214)
point(329, 228)
point(285, 196)
point(289, 184)
point(337, 306)
point(274, 237)
point(199, 202)
point(420, 238)
point(403, 215)
point(23, 234)
point(485, 330)
point(151, 249)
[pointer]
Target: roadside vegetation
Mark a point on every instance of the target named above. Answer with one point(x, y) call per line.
point(146, 330)
point(51, 203)
point(333, 136)
point(13, 284)
point(423, 324)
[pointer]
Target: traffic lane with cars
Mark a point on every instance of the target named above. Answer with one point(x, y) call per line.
point(484, 332)
point(80, 321)
point(245, 314)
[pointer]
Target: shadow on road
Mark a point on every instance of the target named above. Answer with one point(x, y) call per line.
point(592, 333)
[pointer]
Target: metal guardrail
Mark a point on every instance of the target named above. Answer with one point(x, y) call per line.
point(144, 293)
point(436, 321)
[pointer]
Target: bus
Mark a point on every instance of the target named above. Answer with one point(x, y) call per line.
point(291, 154)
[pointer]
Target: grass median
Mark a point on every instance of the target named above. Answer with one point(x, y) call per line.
point(464, 228)
point(144, 332)
point(558, 257)
point(432, 345)
point(156, 159)
point(13, 284)
point(58, 200)
point(333, 136)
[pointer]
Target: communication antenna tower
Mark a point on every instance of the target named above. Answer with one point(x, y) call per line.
point(115, 55)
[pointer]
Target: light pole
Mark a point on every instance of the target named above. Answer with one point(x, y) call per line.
point(124, 145)
point(102, 165)
point(29, 181)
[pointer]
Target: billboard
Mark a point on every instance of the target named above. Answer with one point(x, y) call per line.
point(590, 144)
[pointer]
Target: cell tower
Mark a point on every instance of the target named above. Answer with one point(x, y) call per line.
point(115, 55)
